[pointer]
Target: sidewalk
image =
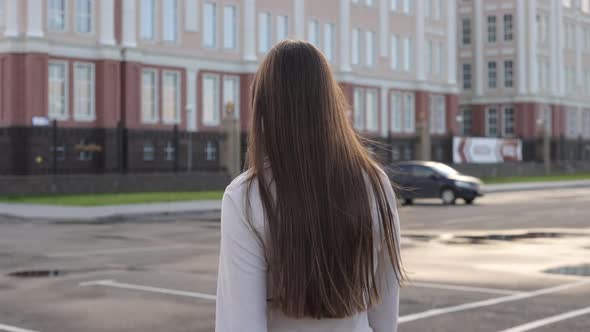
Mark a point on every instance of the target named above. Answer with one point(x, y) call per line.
point(52, 212)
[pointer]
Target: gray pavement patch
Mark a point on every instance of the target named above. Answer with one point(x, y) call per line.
point(576, 270)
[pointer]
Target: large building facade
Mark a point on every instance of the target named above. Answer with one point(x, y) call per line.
point(143, 85)
point(524, 71)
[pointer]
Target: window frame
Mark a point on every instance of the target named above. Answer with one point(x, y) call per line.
point(466, 84)
point(356, 57)
point(92, 98)
point(156, 97)
point(370, 48)
point(216, 120)
point(66, 88)
point(488, 128)
point(282, 25)
point(51, 11)
point(264, 30)
point(508, 73)
point(176, 22)
point(236, 80)
point(373, 111)
point(466, 31)
point(492, 29)
point(505, 125)
point(329, 39)
point(177, 97)
point(359, 105)
point(91, 17)
point(209, 37)
point(313, 32)
point(508, 27)
point(396, 112)
point(409, 113)
point(230, 42)
point(492, 74)
point(143, 20)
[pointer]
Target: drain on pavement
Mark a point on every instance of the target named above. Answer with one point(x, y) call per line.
point(36, 274)
point(576, 270)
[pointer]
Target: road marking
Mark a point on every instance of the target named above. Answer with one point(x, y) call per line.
point(113, 283)
point(490, 302)
point(8, 328)
point(117, 251)
point(465, 288)
point(549, 320)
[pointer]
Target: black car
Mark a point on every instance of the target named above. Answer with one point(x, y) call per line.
point(427, 179)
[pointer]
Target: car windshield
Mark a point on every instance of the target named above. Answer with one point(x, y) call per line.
point(444, 169)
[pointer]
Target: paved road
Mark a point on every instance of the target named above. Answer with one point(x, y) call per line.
point(158, 273)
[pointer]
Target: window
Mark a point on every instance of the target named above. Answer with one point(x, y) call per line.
point(587, 39)
point(428, 8)
point(356, 47)
point(211, 100)
point(231, 95)
point(394, 55)
point(466, 122)
point(282, 27)
point(508, 27)
point(149, 152)
point(544, 118)
point(491, 29)
point(587, 81)
point(149, 96)
point(170, 151)
point(263, 32)
point(543, 69)
point(466, 76)
point(394, 5)
point(437, 115)
point(371, 110)
point(359, 105)
point(492, 122)
point(407, 7)
point(542, 29)
point(229, 27)
point(313, 32)
point(60, 151)
point(569, 79)
point(84, 16)
point(438, 57)
point(508, 127)
point(369, 3)
point(370, 49)
point(492, 75)
point(171, 97)
point(429, 56)
point(86, 151)
point(148, 26)
point(84, 91)
point(409, 114)
point(211, 151)
point(170, 20)
point(396, 112)
point(466, 31)
point(508, 74)
point(210, 25)
point(573, 122)
point(407, 53)
point(438, 6)
point(329, 30)
point(56, 15)
point(58, 90)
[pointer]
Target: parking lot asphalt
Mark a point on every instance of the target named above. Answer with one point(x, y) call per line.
point(472, 268)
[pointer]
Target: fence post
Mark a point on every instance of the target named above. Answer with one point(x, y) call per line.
point(54, 142)
point(176, 144)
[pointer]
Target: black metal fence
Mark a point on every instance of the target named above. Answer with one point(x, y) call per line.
point(55, 150)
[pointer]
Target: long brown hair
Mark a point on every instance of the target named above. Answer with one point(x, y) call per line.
point(318, 237)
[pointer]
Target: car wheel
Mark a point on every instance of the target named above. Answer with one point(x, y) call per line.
point(448, 196)
point(408, 201)
point(469, 201)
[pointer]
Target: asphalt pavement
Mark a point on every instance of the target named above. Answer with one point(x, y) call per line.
point(472, 268)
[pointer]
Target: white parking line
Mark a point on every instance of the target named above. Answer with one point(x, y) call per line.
point(117, 251)
point(465, 288)
point(113, 283)
point(549, 320)
point(8, 328)
point(490, 302)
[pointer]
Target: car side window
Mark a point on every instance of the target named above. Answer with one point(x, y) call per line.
point(422, 171)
